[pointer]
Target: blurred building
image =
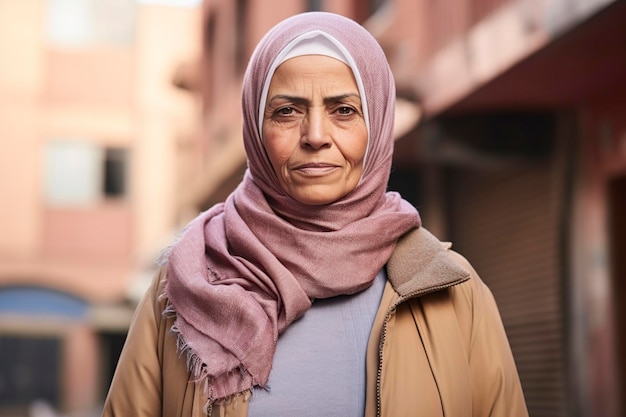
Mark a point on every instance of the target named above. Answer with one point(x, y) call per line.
point(91, 123)
point(520, 160)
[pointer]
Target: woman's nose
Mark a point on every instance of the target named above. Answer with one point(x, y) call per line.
point(315, 132)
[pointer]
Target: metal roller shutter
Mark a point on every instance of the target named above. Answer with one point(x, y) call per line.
point(507, 224)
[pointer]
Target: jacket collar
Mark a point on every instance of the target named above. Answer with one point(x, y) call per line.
point(420, 264)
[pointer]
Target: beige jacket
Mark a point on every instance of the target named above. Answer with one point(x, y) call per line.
point(437, 348)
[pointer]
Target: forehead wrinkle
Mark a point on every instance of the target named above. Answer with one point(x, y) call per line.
point(303, 100)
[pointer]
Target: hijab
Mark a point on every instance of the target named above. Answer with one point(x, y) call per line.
point(245, 269)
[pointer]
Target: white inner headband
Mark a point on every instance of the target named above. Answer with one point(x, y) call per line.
point(314, 43)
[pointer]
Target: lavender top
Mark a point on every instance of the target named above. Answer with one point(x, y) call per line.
point(319, 365)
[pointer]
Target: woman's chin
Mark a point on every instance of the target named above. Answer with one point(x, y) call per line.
point(317, 195)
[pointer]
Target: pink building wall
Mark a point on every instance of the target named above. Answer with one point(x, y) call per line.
point(104, 95)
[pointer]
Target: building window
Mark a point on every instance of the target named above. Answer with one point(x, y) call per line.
point(31, 361)
point(115, 165)
point(82, 173)
point(29, 371)
point(72, 173)
point(76, 23)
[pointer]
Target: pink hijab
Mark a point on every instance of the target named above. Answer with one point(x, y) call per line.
point(247, 268)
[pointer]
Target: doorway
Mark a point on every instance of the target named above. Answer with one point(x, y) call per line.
point(617, 240)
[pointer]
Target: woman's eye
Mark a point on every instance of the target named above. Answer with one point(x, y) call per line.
point(285, 111)
point(345, 110)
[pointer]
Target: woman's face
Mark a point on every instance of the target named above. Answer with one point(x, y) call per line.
point(313, 129)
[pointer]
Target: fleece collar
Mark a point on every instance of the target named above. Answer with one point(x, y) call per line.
point(421, 263)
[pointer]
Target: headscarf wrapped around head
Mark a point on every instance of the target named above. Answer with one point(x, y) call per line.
point(247, 268)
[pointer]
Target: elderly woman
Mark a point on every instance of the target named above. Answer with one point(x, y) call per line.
point(311, 291)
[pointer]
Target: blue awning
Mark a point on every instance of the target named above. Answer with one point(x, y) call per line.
point(38, 301)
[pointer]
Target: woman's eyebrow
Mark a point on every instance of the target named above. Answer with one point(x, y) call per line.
point(341, 97)
point(292, 99)
point(306, 101)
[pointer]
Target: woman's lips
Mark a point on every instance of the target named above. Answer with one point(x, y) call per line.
point(318, 168)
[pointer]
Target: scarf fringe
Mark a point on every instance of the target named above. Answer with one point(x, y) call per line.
point(234, 399)
point(194, 363)
point(198, 369)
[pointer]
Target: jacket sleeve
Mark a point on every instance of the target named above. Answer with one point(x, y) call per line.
point(136, 388)
point(496, 389)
